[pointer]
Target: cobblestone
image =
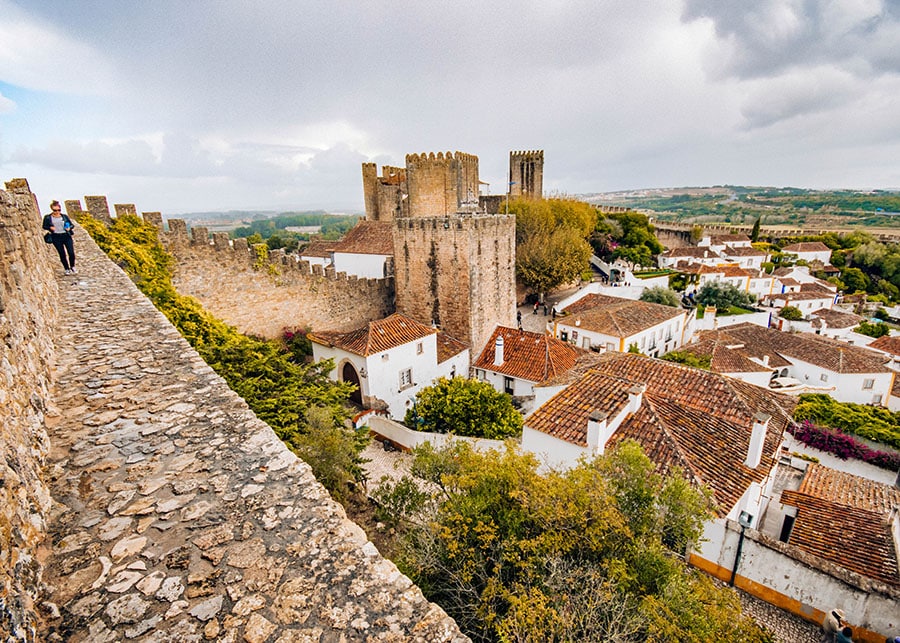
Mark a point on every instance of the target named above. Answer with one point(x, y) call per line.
point(177, 514)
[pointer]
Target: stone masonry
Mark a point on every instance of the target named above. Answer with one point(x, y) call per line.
point(180, 515)
point(176, 514)
point(28, 294)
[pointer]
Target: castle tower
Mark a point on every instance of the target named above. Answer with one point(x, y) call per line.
point(454, 266)
point(386, 195)
point(526, 174)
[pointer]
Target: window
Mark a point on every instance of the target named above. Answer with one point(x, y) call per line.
point(406, 378)
point(868, 383)
point(508, 385)
point(479, 374)
point(574, 336)
point(876, 400)
point(384, 357)
point(823, 377)
point(419, 349)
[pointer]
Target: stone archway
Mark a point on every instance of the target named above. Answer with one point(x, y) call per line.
point(349, 374)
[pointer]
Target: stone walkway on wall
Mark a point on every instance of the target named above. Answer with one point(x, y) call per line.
point(178, 515)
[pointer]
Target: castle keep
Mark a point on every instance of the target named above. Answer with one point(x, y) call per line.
point(454, 263)
point(526, 174)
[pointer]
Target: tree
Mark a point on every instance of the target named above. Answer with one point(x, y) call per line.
point(584, 554)
point(723, 295)
point(551, 246)
point(661, 295)
point(855, 280)
point(876, 329)
point(754, 233)
point(791, 313)
point(689, 359)
point(464, 407)
point(546, 261)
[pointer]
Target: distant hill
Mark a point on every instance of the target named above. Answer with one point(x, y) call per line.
point(744, 204)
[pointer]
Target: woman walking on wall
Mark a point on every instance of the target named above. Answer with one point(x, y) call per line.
point(60, 228)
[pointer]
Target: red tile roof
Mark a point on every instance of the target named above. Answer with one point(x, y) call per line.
point(835, 318)
point(888, 344)
point(529, 356)
point(691, 251)
point(318, 248)
point(845, 519)
point(743, 251)
point(806, 246)
point(724, 357)
point(448, 347)
point(376, 336)
point(616, 316)
point(826, 353)
point(367, 238)
point(697, 420)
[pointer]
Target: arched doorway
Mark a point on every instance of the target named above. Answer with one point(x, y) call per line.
point(349, 374)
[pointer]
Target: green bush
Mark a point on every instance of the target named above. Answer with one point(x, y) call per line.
point(874, 423)
point(791, 313)
point(464, 407)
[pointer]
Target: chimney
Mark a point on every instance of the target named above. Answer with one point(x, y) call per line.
point(765, 360)
point(596, 428)
point(635, 397)
point(757, 439)
point(498, 350)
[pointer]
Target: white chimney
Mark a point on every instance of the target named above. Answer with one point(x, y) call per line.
point(635, 397)
point(498, 351)
point(757, 439)
point(596, 428)
point(765, 360)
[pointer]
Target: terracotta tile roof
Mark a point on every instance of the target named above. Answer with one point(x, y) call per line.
point(888, 344)
point(566, 414)
point(835, 318)
point(697, 420)
point(801, 296)
point(727, 270)
point(743, 251)
point(788, 281)
point(617, 316)
point(845, 519)
point(807, 246)
point(724, 358)
point(318, 248)
point(376, 336)
point(529, 356)
point(824, 352)
point(367, 238)
point(585, 362)
point(818, 286)
point(719, 239)
point(895, 387)
point(448, 347)
point(691, 251)
point(747, 346)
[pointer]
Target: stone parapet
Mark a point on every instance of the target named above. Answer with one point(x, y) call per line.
point(182, 516)
point(28, 313)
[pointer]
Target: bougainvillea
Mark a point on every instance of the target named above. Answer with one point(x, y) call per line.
point(843, 446)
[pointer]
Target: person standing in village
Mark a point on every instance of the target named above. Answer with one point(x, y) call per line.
point(60, 228)
point(831, 625)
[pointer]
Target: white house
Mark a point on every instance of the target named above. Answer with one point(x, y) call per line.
point(745, 257)
point(390, 360)
point(889, 346)
point(610, 323)
point(809, 251)
point(828, 322)
point(318, 252)
point(719, 242)
point(367, 250)
point(721, 432)
point(688, 254)
point(847, 373)
point(513, 361)
point(807, 301)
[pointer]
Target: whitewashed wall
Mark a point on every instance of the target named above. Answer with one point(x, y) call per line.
point(369, 266)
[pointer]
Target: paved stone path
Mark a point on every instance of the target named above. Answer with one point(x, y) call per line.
point(178, 515)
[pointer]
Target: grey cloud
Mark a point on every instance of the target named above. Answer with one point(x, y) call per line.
point(766, 37)
point(129, 157)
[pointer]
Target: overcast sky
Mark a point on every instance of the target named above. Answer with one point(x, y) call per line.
point(186, 106)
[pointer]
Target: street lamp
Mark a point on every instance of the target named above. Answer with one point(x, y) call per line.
point(745, 519)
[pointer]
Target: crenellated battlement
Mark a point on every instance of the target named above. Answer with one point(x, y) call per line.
point(526, 174)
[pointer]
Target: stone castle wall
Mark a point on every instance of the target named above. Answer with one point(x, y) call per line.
point(457, 272)
point(384, 194)
point(28, 311)
point(261, 292)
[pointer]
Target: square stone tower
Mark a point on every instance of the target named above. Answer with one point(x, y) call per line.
point(526, 174)
point(454, 264)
